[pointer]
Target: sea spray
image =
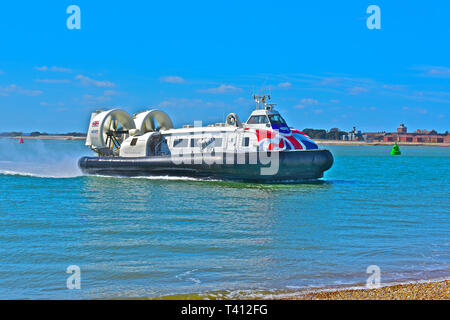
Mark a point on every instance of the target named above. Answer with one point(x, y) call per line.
point(42, 158)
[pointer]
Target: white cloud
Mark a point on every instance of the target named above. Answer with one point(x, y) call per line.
point(223, 88)
point(110, 93)
point(184, 102)
point(52, 80)
point(88, 81)
point(435, 71)
point(99, 99)
point(59, 69)
point(356, 90)
point(331, 81)
point(54, 69)
point(244, 101)
point(395, 87)
point(309, 101)
point(285, 85)
point(172, 79)
point(439, 71)
point(416, 110)
point(421, 110)
point(90, 99)
point(12, 88)
point(305, 102)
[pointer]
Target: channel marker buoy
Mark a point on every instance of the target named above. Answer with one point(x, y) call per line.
point(395, 150)
point(21, 140)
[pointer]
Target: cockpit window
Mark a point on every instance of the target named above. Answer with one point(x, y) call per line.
point(263, 119)
point(257, 120)
point(277, 119)
point(252, 120)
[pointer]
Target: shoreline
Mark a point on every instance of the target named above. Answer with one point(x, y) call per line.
point(379, 143)
point(433, 289)
point(413, 290)
point(49, 137)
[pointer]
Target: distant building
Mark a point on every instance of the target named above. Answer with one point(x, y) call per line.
point(402, 129)
point(374, 136)
point(418, 136)
point(353, 135)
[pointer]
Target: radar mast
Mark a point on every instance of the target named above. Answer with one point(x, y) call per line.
point(264, 100)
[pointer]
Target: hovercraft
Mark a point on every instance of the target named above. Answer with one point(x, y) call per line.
point(262, 149)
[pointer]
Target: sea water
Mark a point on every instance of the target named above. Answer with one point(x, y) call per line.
point(147, 237)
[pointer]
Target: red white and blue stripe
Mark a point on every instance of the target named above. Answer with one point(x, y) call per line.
point(272, 140)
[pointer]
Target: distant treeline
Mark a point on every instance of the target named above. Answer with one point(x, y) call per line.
point(10, 134)
point(37, 134)
point(333, 134)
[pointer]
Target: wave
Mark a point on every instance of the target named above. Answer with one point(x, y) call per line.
point(291, 292)
point(75, 175)
point(303, 291)
point(37, 175)
point(164, 178)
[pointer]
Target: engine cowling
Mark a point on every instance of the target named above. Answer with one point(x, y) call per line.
point(107, 130)
point(152, 120)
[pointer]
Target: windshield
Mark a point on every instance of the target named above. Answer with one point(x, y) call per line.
point(277, 119)
point(257, 120)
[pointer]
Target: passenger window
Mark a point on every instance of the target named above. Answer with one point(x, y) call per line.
point(217, 142)
point(246, 142)
point(180, 143)
point(196, 142)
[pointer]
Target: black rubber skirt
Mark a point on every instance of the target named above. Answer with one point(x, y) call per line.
point(266, 166)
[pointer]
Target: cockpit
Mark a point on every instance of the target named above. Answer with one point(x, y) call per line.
point(274, 119)
point(277, 119)
point(258, 120)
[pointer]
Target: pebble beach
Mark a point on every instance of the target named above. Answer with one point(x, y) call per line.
point(438, 290)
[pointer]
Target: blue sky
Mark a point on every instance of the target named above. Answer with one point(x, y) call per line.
point(199, 60)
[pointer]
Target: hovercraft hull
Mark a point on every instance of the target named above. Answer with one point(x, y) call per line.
point(275, 166)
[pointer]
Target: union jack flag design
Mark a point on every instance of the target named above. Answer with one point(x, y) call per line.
point(275, 140)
